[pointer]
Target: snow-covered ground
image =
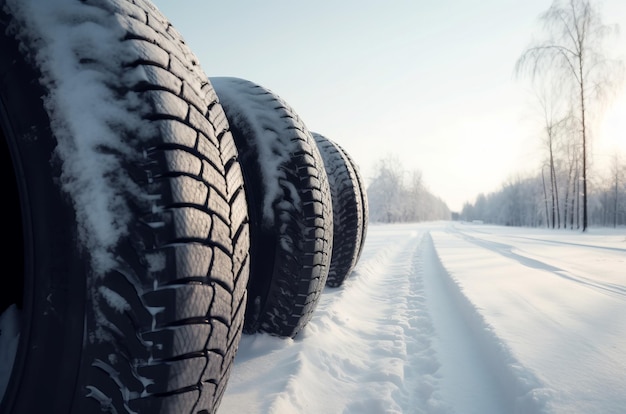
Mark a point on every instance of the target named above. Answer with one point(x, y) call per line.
point(455, 318)
point(451, 318)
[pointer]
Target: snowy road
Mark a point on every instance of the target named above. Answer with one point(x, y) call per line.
point(454, 318)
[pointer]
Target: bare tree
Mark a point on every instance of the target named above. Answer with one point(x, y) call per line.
point(397, 195)
point(385, 192)
point(545, 197)
point(616, 177)
point(573, 54)
point(570, 197)
point(556, 121)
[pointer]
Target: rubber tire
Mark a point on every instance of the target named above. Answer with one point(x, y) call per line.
point(291, 242)
point(168, 344)
point(362, 191)
point(347, 210)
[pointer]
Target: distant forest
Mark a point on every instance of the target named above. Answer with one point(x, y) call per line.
point(396, 195)
point(533, 201)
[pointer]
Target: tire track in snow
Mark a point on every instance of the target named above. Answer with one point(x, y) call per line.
point(381, 357)
point(567, 335)
point(467, 382)
point(475, 362)
point(507, 250)
point(406, 334)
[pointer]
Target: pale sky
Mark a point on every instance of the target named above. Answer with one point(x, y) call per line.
point(431, 83)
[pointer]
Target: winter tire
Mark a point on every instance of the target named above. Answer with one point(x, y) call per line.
point(290, 207)
point(130, 238)
point(347, 210)
point(362, 191)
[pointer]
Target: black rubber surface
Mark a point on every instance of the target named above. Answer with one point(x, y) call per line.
point(347, 210)
point(290, 207)
point(156, 331)
point(362, 191)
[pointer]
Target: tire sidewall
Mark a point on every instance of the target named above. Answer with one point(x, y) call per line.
point(54, 297)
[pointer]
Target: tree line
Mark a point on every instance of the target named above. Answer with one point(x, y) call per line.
point(398, 195)
point(527, 201)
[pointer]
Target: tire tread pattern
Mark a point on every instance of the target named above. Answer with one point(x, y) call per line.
point(285, 288)
point(347, 210)
point(184, 264)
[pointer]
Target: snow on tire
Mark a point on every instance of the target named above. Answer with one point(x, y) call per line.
point(290, 207)
point(347, 203)
point(129, 234)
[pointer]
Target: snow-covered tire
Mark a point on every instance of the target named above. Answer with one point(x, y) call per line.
point(128, 234)
point(347, 210)
point(362, 191)
point(290, 207)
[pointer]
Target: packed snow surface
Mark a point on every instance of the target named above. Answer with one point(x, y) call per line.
point(448, 318)
point(454, 318)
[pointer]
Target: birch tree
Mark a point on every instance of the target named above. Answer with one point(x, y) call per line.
point(616, 172)
point(572, 53)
